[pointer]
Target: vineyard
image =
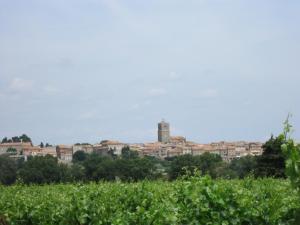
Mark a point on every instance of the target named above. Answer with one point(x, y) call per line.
point(196, 200)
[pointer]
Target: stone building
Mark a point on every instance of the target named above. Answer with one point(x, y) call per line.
point(32, 151)
point(18, 146)
point(38, 151)
point(87, 148)
point(174, 152)
point(177, 140)
point(105, 147)
point(163, 132)
point(64, 153)
point(50, 150)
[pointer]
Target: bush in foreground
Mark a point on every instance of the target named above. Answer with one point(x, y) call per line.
point(195, 200)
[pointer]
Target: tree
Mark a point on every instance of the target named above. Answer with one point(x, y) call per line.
point(4, 140)
point(188, 163)
point(42, 145)
point(128, 154)
point(272, 162)
point(208, 161)
point(79, 156)
point(25, 138)
point(8, 170)
point(97, 168)
point(134, 169)
point(222, 170)
point(106, 170)
point(180, 164)
point(11, 151)
point(40, 169)
point(16, 139)
point(243, 166)
point(111, 153)
point(77, 172)
point(64, 173)
point(91, 165)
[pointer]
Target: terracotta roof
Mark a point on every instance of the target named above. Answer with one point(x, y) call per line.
point(16, 144)
point(33, 148)
point(110, 142)
point(177, 138)
point(64, 146)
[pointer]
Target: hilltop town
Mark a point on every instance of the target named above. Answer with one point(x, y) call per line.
point(166, 146)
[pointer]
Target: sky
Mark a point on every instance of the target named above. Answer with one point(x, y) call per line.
point(89, 70)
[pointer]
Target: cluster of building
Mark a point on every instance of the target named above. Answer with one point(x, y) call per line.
point(64, 153)
point(166, 146)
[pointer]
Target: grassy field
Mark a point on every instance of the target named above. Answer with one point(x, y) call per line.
point(193, 201)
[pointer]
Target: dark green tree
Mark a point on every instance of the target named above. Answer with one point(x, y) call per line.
point(272, 162)
point(25, 138)
point(106, 170)
point(180, 164)
point(135, 169)
point(79, 156)
point(98, 167)
point(111, 153)
point(42, 145)
point(8, 170)
point(16, 139)
point(40, 170)
point(77, 172)
point(65, 173)
point(243, 166)
point(128, 154)
point(11, 151)
point(222, 170)
point(91, 165)
point(48, 145)
point(206, 163)
point(4, 140)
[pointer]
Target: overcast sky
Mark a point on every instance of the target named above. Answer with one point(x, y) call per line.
point(87, 70)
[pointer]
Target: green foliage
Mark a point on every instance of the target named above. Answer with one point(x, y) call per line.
point(272, 162)
point(5, 140)
point(23, 138)
point(196, 200)
point(8, 170)
point(99, 168)
point(292, 154)
point(77, 172)
point(243, 166)
point(40, 170)
point(128, 154)
point(79, 156)
point(48, 145)
point(83, 143)
point(12, 151)
point(207, 163)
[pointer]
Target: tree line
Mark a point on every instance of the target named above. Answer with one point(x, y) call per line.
point(22, 138)
point(130, 167)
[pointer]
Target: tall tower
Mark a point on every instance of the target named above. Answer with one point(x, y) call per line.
point(163, 132)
